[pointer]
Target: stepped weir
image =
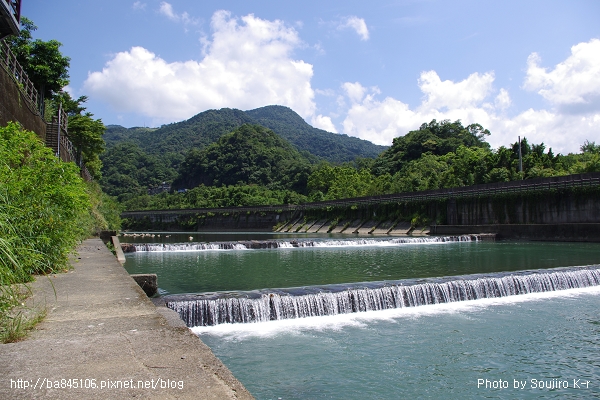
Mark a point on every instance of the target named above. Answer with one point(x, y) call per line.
point(278, 304)
point(283, 244)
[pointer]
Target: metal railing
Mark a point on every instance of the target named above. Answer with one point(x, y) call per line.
point(15, 6)
point(57, 138)
point(9, 61)
point(491, 189)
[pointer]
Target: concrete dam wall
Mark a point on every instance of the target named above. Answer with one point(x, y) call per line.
point(560, 208)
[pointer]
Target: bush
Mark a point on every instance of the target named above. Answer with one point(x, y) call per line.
point(44, 205)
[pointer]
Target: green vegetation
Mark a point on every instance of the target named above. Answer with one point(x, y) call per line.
point(84, 132)
point(445, 155)
point(128, 171)
point(334, 148)
point(45, 210)
point(159, 152)
point(215, 197)
point(250, 155)
point(254, 166)
point(45, 65)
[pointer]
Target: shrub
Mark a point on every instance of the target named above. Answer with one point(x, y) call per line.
point(44, 205)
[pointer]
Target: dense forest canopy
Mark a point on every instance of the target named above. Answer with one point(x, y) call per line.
point(251, 155)
point(165, 148)
point(252, 165)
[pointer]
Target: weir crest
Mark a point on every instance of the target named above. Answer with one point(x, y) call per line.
point(295, 243)
point(267, 305)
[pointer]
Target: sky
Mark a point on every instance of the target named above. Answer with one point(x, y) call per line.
point(375, 70)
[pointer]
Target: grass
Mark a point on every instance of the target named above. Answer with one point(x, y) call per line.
point(16, 325)
point(45, 210)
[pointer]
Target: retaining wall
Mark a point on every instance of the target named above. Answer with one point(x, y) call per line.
point(14, 106)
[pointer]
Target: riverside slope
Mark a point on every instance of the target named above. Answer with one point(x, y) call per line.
point(102, 329)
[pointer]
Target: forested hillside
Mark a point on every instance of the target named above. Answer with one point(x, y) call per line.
point(140, 158)
point(253, 166)
point(250, 155)
point(329, 146)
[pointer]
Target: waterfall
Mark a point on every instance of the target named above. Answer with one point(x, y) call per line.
point(262, 306)
point(277, 244)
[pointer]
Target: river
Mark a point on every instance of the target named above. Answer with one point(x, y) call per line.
point(542, 343)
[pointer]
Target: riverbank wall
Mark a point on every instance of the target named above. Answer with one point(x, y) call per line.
point(557, 208)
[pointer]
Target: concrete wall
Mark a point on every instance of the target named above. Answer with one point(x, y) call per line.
point(552, 207)
point(14, 106)
point(542, 232)
point(211, 221)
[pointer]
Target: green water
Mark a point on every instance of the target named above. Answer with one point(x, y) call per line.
point(437, 351)
point(229, 270)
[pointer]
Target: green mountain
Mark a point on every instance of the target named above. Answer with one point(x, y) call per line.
point(250, 155)
point(140, 158)
point(330, 146)
point(206, 127)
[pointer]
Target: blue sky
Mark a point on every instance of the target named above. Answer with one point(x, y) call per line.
point(374, 70)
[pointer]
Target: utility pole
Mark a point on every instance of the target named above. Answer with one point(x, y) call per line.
point(520, 159)
point(58, 135)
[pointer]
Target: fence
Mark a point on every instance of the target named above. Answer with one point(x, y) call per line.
point(491, 189)
point(9, 61)
point(55, 133)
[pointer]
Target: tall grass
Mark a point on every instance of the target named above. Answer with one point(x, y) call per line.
point(44, 213)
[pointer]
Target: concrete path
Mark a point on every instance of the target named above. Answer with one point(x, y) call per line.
point(104, 339)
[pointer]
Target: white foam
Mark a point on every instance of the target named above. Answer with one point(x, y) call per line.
point(363, 319)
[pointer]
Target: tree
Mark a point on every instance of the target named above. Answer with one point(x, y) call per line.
point(86, 135)
point(84, 132)
point(251, 154)
point(437, 138)
point(43, 62)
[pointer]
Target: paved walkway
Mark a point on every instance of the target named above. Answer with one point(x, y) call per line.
point(103, 338)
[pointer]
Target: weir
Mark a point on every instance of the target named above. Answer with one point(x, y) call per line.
point(278, 244)
point(279, 304)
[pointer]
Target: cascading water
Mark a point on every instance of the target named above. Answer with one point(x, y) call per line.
point(276, 244)
point(262, 306)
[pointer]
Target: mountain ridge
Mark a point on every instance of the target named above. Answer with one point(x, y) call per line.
point(207, 127)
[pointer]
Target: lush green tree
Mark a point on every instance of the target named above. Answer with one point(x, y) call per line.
point(251, 154)
point(425, 173)
point(43, 62)
point(128, 171)
point(210, 197)
point(437, 138)
point(330, 182)
point(84, 132)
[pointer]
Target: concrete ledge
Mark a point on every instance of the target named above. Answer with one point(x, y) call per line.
point(101, 327)
point(148, 283)
point(584, 232)
point(118, 249)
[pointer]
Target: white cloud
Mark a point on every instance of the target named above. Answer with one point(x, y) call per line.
point(358, 24)
point(167, 10)
point(381, 121)
point(574, 84)
point(502, 101)
point(355, 91)
point(138, 5)
point(248, 64)
point(572, 88)
point(324, 123)
point(450, 95)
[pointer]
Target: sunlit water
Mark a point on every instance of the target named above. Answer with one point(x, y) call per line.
point(546, 344)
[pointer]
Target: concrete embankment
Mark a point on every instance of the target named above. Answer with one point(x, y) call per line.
point(103, 338)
